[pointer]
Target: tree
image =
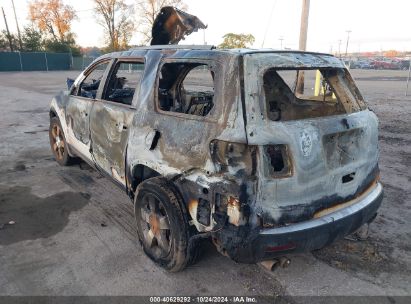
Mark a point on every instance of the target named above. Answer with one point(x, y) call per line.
point(115, 16)
point(32, 40)
point(66, 46)
point(5, 41)
point(52, 17)
point(148, 11)
point(233, 41)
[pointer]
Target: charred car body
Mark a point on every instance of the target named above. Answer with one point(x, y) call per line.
point(219, 143)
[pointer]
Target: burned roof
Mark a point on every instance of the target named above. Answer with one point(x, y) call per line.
point(280, 58)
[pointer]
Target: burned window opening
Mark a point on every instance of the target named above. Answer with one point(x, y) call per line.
point(123, 82)
point(326, 92)
point(89, 86)
point(186, 88)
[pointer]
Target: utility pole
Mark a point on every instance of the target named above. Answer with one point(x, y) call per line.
point(339, 48)
point(348, 39)
point(17, 24)
point(304, 25)
point(204, 37)
point(8, 32)
point(281, 42)
point(303, 42)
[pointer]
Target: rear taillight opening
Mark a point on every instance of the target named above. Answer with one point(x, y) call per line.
point(278, 156)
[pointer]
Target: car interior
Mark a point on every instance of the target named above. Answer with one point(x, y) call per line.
point(120, 87)
point(186, 88)
point(284, 103)
point(123, 82)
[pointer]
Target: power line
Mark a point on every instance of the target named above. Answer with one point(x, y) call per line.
point(268, 24)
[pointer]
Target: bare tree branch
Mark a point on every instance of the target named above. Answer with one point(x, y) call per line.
point(116, 18)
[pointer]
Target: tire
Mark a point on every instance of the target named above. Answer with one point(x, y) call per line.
point(58, 143)
point(162, 224)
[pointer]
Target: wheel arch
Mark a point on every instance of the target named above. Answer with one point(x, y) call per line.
point(52, 113)
point(139, 173)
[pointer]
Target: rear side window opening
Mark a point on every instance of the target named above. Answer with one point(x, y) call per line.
point(292, 94)
point(187, 88)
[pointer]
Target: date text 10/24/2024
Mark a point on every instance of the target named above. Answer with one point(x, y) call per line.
point(203, 299)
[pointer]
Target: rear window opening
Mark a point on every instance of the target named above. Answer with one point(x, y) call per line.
point(294, 94)
point(186, 87)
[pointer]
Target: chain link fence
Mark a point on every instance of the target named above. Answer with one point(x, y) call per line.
point(42, 61)
point(34, 61)
point(80, 63)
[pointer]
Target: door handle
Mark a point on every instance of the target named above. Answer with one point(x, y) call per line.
point(152, 138)
point(120, 126)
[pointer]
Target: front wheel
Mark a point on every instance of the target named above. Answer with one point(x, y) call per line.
point(58, 143)
point(162, 224)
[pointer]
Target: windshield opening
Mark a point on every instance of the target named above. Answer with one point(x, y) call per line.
point(292, 94)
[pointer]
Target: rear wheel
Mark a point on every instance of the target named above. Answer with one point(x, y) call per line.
point(162, 225)
point(58, 143)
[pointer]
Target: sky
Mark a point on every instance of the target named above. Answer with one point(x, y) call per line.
point(375, 25)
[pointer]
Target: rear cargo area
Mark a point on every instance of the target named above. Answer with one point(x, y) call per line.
point(318, 142)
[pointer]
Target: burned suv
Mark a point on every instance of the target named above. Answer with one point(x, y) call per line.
point(264, 152)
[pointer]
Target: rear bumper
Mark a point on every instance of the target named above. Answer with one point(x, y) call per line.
point(315, 233)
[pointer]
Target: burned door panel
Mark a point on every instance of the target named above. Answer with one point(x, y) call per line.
point(77, 117)
point(187, 110)
point(182, 139)
point(80, 102)
point(109, 135)
point(112, 116)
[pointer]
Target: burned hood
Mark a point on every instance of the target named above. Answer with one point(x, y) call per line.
point(171, 25)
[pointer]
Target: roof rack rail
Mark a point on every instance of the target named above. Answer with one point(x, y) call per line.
point(174, 47)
